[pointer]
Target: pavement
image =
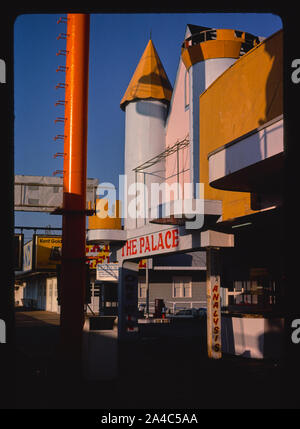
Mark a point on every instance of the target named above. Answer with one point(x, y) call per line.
point(166, 368)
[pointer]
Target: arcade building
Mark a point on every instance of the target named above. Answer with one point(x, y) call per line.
point(219, 131)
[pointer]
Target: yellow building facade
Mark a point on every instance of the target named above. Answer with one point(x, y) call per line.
point(245, 97)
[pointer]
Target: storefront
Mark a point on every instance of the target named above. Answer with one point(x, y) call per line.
point(252, 313)
point(41, 263)
point(217, 138)
point(184, 281)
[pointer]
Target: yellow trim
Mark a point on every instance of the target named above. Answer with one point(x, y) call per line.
point(226, 45)
point(210, 49)
point(95, 222)
point(225, 34)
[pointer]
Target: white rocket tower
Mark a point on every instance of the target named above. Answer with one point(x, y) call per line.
point(145, 103)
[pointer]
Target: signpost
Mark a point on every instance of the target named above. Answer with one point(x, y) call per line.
point(128, 301)
point(214, 346)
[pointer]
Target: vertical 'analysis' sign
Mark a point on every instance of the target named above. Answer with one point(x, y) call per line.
point(213, 304)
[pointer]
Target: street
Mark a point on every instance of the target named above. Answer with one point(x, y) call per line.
point(162, 370)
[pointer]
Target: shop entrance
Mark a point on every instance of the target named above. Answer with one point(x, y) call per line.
point(108, 292)
point(252, 278)
point(51, 294)
point(252, 270)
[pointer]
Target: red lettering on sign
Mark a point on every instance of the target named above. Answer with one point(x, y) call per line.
point(216, 321)
point(217, 347)
point(160, 241)
point(152, 244)
point(215, 288)
point(175, 241)
point(147, 248)
point(142, 244)
point(168, 244)
point(134, 249)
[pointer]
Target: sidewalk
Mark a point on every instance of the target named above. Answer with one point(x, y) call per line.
point(166, 372)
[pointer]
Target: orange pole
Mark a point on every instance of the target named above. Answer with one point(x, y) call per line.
point(74, 194)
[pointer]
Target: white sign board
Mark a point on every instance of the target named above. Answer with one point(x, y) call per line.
point(28, 256)
point(171, 240)
point(44, 193)
point(107, 272)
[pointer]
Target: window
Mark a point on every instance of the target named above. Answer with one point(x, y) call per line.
point(260, 293)
point(187, 289)
point(142, 290)
point(177, 290)
point(182, 287)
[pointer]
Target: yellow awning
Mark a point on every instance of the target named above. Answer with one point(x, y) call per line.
point(149, 79)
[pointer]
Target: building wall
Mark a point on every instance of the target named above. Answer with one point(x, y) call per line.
point(35, 290)
point(202, 75)
point(177, 128)
point(161, 287)
point(183, 118)
point(247, 95)
point(43, 291)
point(19, 295)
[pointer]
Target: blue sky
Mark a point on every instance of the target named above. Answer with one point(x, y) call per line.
point(117, 42)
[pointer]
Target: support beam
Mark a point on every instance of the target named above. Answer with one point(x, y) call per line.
point(147, 287)
point(128, 301)
point(73, 270)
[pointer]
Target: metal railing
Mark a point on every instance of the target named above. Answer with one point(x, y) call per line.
point(249, 40)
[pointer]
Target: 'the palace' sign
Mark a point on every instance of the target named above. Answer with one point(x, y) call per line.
point(158, 242)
